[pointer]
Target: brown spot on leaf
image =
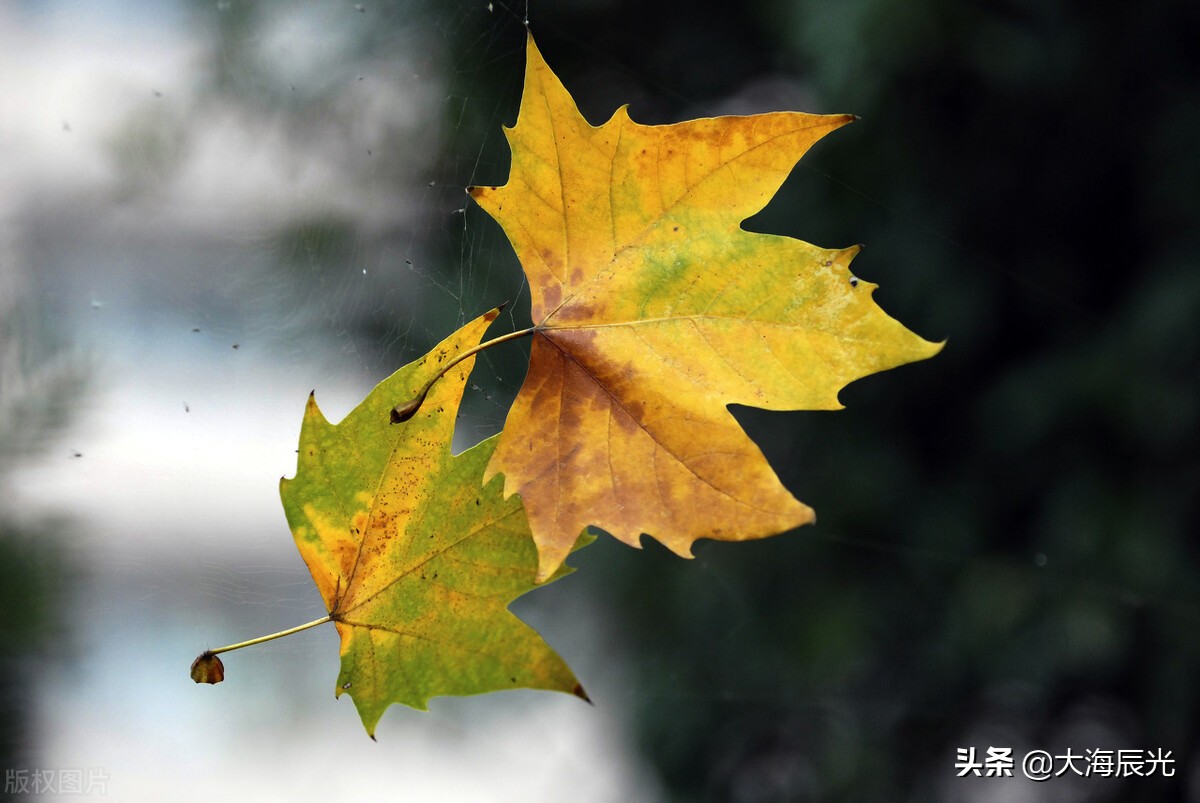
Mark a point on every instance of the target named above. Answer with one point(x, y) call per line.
point(550, 259)
point(551, 296)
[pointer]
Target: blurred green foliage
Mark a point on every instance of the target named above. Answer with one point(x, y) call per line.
point(37, 384)
point(1007, 534)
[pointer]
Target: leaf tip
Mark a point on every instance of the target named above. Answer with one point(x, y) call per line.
point(682, 550)
point(312, 410)
point(483, 196)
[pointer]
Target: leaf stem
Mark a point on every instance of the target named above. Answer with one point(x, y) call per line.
point(405, 411)
point(280, 634)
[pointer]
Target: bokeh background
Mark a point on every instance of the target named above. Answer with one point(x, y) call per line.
point(208, 209)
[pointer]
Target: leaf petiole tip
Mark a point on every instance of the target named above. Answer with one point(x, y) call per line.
point(207, 668)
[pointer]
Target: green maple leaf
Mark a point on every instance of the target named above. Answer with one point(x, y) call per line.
point(415, 557)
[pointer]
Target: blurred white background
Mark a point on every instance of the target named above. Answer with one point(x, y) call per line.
point(198, 211)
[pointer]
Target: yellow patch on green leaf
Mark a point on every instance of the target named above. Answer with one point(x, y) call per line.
point(415, 557)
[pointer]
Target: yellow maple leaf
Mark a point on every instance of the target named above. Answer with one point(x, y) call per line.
point(654, 310)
